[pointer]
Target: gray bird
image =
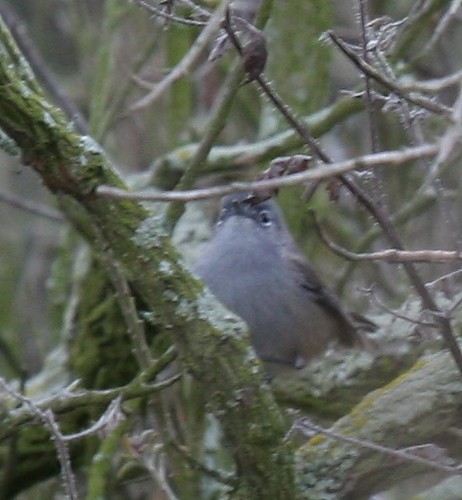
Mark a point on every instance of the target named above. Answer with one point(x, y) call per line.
point(254, 267)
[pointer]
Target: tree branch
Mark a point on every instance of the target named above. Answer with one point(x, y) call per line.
point(72, 167)
point(331, 467)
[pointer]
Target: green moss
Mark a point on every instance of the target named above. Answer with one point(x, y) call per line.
point(403, 377)
point(317, 440)
point(101, 342)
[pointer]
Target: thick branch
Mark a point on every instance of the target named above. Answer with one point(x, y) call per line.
point(72, 167)
point(332, 468)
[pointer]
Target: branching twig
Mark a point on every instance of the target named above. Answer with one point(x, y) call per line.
point(158, 468)
point(109, 419)
point(187, 62)
point(377, 301)
point(390, 84)
point(47, 418)
point(391, 255)
point(69, 401)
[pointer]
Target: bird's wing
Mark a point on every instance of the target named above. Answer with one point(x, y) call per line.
point(309, 281)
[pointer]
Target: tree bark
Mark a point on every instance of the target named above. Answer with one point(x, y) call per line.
point(221, 360)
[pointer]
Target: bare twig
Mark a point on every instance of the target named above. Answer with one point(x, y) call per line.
point(169, 17)
point(111, 418)
point(363, 17)
point(217, 475)
point(32, 207)
point(69, 401)
point(441, 27)
point(420, 13)
point(126, 301)
point(449, 140)
point(214, 127)
point(400, 256)
point(392, 85)
point(444, 277)
point(187, 62)
point(308, 428)
point(391, 255)
point(47, 418)
point(377, 301)
point(386, 158)
point(157, 466)
point(433, 85)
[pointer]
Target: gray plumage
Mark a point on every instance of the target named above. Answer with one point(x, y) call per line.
point(254, 267)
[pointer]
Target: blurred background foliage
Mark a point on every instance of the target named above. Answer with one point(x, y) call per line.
point(103, 55)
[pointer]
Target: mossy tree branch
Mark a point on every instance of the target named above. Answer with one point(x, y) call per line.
point(421, 406)
point(72, 167)
point(213, 346)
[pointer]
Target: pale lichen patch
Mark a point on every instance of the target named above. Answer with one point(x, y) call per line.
point(90, 145)
point(150, 234)
point(166, 268)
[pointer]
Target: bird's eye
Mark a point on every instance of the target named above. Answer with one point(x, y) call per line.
point(264, 218)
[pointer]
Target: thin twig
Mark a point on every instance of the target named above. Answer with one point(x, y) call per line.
point(121, 93)
point(187, 62)
point(126, 301)
point(169, 17)
point(157, 467)
point(433, 85)
point(444, 277)
point(62, 451)
point(386, 158)
point(31, 207)
point(307, 427)
point(215, 125)
point(69, 401)
point(228, 479)
point(392, 85)
point(111, 417)
point(377, 301)
point(441, 27)
point(363, 16)
point(391, 255)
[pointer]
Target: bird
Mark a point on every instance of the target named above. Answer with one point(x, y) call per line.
point(253, 265)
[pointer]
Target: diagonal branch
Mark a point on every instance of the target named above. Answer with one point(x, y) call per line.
point(72, 167)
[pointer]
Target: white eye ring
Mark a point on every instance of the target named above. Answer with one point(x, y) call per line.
point(221, 216)
point(264, 218)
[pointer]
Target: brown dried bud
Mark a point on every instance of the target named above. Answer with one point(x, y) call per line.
point(254, 55)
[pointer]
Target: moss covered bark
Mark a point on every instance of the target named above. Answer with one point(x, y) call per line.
point(218, 356)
